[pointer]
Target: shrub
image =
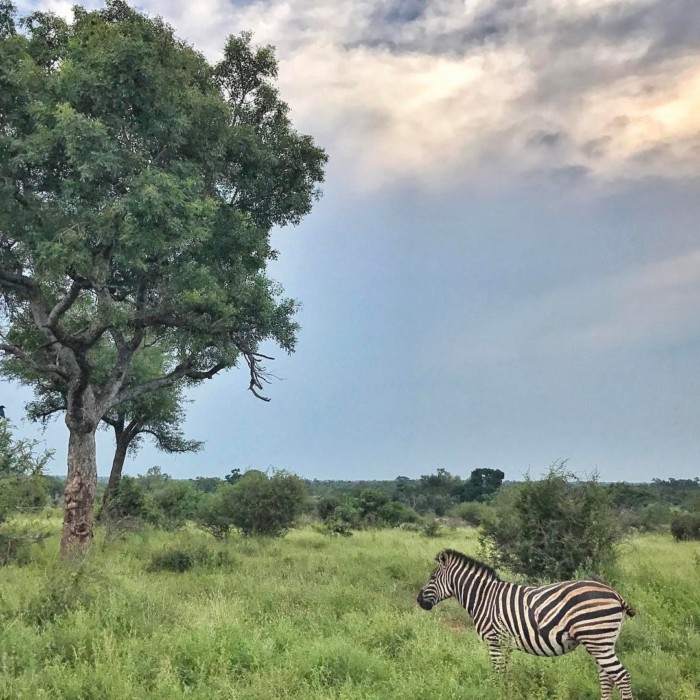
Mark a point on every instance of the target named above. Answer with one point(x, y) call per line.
point(652, 518)
point(686, 527)
point(176, 559)
point(128, 501)
point(66, 587)
point(553, 529)
point(174, 503)
point(431, 528)
point(471, 513)
point(256, 504)
point(16, 543)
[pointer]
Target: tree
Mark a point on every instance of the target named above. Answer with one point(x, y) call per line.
point(556, 528)
point(138, 188)
point(481, 484)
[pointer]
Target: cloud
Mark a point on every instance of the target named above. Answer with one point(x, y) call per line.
point(428, 90)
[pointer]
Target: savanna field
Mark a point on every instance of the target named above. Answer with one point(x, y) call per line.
point(310, 616)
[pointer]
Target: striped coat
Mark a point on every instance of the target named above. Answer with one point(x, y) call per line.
point(546, 620)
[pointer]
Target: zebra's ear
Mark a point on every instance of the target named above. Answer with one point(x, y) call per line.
point(441, 558)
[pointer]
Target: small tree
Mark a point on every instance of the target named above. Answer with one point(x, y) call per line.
point(552, 529)
point(256, 504)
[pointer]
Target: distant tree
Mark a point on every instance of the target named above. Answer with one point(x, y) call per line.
point(481, 484)
point(233, 476)
point(206, 484)
point(138, 188)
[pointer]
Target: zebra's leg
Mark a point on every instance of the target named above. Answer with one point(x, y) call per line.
point(606, 684)
point(609, 664)
point(498, 660)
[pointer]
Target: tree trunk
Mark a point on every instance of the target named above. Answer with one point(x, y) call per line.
point(80, 491)
point(115, 476)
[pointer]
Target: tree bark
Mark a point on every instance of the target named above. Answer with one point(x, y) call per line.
point(80, 491)
point(115, 476)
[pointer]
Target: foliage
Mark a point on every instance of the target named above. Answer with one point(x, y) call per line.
point(553, 529)
point(129, 501)
point(654, 517)
point(174, 502)
point(16, 540)
point(686, 527)
point(473, 514)
point(22, 482)
point(256, 504)
point(175, 559)
point(431, 528)
point(482, 484)
point(139, 185)
point(367, 508)
point(206, 484)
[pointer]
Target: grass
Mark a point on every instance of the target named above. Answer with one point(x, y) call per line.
point(310, 617)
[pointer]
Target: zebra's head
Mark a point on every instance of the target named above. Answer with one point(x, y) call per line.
point(439, 586)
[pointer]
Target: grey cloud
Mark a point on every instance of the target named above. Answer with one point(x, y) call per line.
point(402, 11)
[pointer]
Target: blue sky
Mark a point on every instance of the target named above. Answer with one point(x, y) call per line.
point(504, 269)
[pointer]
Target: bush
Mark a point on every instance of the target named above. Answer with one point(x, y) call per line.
point(256, 504)
point(128, 501)
point(173, 503)
point(66, 588)
point(177, 560)
point(16, 543)
point(652, 518)
point(686, 527)
point(430, 528)
point(553, 529)
point(182, 558)
point(471, 513)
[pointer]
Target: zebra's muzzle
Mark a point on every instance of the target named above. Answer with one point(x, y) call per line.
point(425, 604)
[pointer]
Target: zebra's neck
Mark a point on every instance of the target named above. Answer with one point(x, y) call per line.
point(472, 589)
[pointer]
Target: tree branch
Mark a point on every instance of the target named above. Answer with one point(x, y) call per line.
point(29, 360)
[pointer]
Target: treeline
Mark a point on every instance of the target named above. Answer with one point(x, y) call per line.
point(256, 503)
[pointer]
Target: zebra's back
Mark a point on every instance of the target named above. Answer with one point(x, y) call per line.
point(554, 619)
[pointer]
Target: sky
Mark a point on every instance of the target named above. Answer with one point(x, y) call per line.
point(504, 269)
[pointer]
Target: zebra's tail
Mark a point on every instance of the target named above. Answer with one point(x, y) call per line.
point(631, 612)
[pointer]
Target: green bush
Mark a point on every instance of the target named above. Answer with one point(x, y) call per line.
point(177, 560)
point(472, 513)
point(686, 527)
point(256, 504)
point(174, 503)
point(16, 543)
point(431, 528)
point(652, 518)
point(552, 529)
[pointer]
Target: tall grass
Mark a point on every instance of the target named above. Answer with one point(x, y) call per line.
point(310, 616)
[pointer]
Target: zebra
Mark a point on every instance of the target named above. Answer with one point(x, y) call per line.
point(549, 620)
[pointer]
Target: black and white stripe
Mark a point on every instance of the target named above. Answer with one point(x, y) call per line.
point(544, 620)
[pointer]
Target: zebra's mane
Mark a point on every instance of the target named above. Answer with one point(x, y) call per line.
point(475, 563)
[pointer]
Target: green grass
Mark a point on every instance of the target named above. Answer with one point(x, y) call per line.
point(310, 617)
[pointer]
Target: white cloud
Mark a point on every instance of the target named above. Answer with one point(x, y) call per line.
point(485, 88)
